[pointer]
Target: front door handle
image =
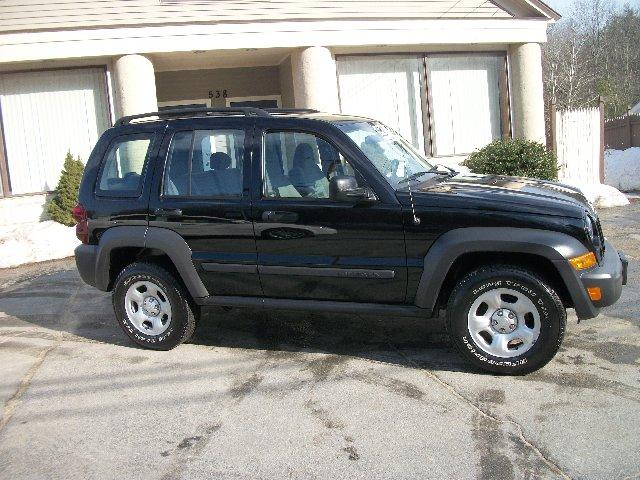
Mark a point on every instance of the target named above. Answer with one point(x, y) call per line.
point(168, 212)
point(279, 217)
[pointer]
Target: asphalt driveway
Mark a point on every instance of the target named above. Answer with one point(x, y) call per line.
point(289, 395)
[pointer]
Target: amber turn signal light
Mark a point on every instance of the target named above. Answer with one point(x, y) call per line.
point(583, 261)
point(595, 293)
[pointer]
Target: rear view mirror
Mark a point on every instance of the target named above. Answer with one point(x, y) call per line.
point(343, 188)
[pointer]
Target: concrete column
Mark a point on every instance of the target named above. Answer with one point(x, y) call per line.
point(135, 85)
point(527, 95)
point(315, 83)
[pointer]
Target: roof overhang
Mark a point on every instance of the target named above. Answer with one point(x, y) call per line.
point(149, 40)
point(528, 9)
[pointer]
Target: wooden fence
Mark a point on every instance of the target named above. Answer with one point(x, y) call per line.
point(622, 132)
point(577, 138)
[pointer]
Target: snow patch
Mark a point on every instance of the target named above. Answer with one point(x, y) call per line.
point(602, 196)
point(35, 242)
point(622, 168)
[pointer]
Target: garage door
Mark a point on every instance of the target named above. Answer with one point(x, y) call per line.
point(44, 115)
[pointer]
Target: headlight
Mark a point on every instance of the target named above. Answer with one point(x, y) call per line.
point(590, 228)
point(593, 234)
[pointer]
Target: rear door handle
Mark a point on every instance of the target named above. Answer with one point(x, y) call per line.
point(168, 212)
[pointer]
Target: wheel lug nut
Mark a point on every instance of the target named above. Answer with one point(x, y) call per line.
point(500, 313)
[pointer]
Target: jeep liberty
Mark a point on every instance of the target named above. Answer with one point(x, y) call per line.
point(187, 209)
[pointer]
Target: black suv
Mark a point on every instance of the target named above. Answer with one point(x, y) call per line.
point(186, 209)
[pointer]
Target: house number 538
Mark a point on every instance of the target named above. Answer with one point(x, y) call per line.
point(218, 93)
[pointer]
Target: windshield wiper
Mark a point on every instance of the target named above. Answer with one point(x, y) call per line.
point(434, 170)
point(413, 176)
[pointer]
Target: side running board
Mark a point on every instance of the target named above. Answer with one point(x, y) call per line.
point(313, 305)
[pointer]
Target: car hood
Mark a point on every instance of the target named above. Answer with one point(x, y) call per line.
point(504, 193)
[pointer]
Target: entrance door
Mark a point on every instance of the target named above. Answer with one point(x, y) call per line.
point(269, 101)
point(312, 247)
point(204, 197)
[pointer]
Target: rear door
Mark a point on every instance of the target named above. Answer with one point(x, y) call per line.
point(201, 191)
point(312, 247)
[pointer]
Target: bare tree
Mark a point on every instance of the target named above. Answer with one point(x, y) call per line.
point(568, 67)
point(594, 52)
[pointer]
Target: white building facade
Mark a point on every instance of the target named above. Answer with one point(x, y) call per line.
point(449, 75)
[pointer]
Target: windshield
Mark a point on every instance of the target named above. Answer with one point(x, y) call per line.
point(392, 155)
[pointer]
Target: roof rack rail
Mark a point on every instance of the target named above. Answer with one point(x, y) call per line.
point(290, 110)
point(178, 112)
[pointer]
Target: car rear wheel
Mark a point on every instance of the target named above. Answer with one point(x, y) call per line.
point(506, 320)
point(152, 307)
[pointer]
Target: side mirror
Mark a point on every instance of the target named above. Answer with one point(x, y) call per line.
point(343, 188)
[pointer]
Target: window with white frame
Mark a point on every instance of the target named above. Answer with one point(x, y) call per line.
point(45, 114)
point(465, 101)
point(445, 105)
point(387, 88)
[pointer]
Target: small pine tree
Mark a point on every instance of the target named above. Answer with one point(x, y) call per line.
point(65, 195)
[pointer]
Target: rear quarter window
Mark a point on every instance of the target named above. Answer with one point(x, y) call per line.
point(124, 166)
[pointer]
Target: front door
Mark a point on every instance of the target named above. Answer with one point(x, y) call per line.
point(311, 247)
point(204, 197)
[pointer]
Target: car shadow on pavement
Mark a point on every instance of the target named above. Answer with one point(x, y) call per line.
point(408, 342)
point(59, 301)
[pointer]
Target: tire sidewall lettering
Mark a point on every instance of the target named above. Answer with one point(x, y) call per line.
point(532, 293)
point(491, 361)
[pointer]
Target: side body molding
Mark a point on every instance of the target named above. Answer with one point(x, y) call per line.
point(554, 246)
point(162, 239)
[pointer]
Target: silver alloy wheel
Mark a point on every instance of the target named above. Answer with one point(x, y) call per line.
point(504, 322)
point(148, 308)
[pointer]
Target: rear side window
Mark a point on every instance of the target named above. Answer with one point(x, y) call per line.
point(123, 166)
point(205, 163)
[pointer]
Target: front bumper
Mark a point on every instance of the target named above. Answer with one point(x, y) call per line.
point(609, 276)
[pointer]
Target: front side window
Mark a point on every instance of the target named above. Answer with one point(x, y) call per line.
point(205, 163)
point(391, 154)
point(300, 165)
point(124, 165)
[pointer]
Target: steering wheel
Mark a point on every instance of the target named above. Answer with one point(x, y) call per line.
point(332, 168)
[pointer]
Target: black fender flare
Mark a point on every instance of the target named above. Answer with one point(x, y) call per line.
point(556, 247)
point(157, 238)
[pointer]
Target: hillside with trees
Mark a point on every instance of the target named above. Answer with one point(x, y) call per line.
point(594, 51)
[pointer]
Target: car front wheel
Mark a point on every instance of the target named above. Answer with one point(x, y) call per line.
point(506, 320)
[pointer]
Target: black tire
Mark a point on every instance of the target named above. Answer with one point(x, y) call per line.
point(182, 320)
point(552, 319)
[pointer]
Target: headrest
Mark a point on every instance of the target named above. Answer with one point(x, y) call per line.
point(303, 155)
point(220, 161)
